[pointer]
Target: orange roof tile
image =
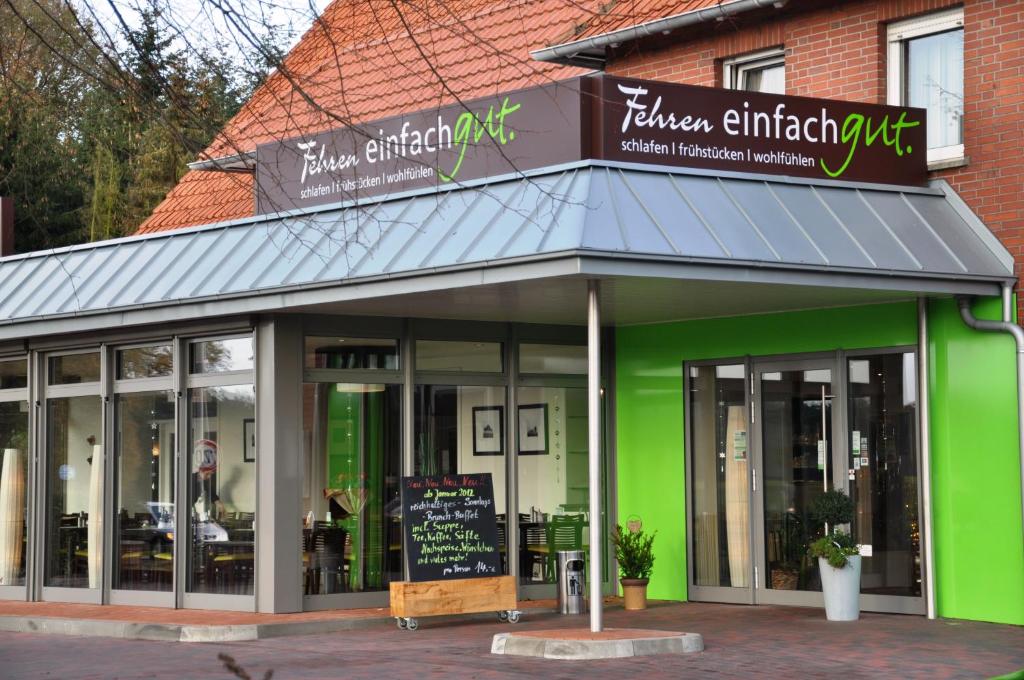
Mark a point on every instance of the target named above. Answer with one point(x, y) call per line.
point(365, 61)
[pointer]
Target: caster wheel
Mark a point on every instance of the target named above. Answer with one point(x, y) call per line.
point(412, 624)
point(503, 616)
point(513, 616)
point(401, 623)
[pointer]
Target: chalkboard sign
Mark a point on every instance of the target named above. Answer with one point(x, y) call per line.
point(450, 527)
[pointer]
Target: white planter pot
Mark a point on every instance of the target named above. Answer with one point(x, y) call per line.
point(842, 589)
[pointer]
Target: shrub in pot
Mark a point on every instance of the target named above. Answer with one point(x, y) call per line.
point(838, 556)
point(635, 556)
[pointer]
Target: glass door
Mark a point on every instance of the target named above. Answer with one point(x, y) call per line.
point(795, 419)
point(719, 467)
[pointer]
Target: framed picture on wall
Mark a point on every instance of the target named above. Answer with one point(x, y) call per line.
point(533, 430)
point(249, 440)
point(488, 430)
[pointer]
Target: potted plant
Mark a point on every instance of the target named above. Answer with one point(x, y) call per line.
point(636, 560)
point(838, 556)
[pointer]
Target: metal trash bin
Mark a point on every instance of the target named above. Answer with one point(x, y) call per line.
point(572, 582)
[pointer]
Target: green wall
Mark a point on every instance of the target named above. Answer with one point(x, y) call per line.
point(979, 554)
point(972, 377)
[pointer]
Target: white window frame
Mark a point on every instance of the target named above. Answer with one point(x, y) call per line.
point(734, 69)
point(898, 33)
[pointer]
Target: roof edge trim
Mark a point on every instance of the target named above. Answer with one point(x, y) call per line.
point(582, 52)
point(977, 226)
point(244, 161)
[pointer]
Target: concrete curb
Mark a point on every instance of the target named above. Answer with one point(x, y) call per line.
point(578, 650)
point(173, 632)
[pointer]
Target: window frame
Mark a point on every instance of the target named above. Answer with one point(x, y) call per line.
point(735, 69)
point(897, 35)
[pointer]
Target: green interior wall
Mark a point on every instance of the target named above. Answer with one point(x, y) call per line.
point(979, 556)
point(355, 459)
point(976, 473)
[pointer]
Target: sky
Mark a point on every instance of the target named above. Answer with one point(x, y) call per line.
point(203, 22)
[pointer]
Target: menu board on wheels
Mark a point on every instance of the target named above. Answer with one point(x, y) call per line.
point(450, 527)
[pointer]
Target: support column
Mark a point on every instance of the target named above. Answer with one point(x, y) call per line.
point(594, 450)
point(924, 420)
point(279, 459)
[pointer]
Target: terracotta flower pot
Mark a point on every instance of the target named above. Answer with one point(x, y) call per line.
point(634, 592)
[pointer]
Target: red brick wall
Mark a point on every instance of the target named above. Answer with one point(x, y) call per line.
point(840, 52)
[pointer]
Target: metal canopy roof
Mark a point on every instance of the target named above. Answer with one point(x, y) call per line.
point(715, 226)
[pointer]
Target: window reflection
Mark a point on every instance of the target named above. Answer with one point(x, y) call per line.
point(74, 368)
point(553, 478)
point(144, 491)
point(462, 429)
point(13, 374)
point(220, 356)
point(144, 362)
point(720, 461)
point(13, 497)
point(883, 465)
point(351, 353)
point(75, 492)
point(222, 489)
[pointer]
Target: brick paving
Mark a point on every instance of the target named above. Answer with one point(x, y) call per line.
point(741, 642)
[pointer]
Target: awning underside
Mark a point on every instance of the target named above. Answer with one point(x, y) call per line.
point(676, 218)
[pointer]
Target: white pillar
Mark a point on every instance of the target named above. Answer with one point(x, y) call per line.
point(924, 421)
point(594, 448)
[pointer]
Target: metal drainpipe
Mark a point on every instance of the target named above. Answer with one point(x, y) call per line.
point(1005, 326)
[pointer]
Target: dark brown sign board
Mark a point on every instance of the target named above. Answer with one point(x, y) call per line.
point(600, 117)
point(450, 527)
point(715, 129)
point(512, 132)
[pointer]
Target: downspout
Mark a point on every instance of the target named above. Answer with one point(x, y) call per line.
point(1005, 326)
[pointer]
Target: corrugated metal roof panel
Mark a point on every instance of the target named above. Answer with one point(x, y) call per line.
point(595, 207)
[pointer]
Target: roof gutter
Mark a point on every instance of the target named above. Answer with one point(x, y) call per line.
point(1005, 326)
point(239, 162)
point(576, 52)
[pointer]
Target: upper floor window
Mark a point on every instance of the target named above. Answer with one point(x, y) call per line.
point(926, 70)
point(763, 71)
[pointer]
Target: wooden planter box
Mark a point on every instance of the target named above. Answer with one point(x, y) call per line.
point(410, 599)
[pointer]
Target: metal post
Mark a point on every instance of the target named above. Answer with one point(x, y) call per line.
point(924, 419)
point(594, 449)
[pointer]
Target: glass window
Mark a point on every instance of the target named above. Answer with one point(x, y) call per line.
point(553, 478)
point(144, 491)
point(222, 489)
point(145, 362)
point(466, 357)
point(883, 465)
point(462, 429)
point(352, 535)
point(75, 492)
point(13, 374)
point(720, 460)
point(760, 72)
point(553, 359)
point(926, 70)
point(351, 353)
point(13, 496)
point(221, 356)
point(69, 369)
point(934, 73)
